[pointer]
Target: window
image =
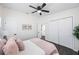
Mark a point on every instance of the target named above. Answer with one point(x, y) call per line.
point(0, 21)
point(43, 29)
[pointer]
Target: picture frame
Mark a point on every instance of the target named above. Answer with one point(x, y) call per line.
point(26, 27)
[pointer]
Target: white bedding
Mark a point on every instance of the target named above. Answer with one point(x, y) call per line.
point(31, 49)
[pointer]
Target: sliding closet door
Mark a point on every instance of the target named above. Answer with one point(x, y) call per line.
point(60, 31)
point(65, 32)
point(52, 32)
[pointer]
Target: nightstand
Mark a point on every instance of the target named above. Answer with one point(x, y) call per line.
point(43, 37)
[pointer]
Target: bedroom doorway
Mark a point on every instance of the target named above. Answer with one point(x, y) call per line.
point(41, 30)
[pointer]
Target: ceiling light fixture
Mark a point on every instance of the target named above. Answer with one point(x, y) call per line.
point(39, 11)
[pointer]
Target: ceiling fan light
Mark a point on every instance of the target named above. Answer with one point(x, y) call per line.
point(39, 11)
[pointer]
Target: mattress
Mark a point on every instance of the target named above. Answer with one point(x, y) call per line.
point(31, 49)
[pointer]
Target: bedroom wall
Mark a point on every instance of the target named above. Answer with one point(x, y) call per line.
point(67, 13)
point(0, 10)
point(12, 24)
point(0, 16)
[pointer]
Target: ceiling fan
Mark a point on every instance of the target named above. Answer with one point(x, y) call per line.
point(39, 9)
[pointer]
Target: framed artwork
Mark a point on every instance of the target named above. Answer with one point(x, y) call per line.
point(26, 27)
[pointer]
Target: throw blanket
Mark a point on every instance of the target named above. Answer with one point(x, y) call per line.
point(49, 48)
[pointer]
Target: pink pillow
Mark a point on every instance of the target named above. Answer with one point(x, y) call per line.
point(20, 44)
point(2, 42)
point(11, 47)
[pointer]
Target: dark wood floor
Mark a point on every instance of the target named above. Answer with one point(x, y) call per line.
point(64, 50)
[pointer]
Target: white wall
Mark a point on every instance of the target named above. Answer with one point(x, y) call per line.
point(0, 10)
point(13, 21)
point(0, 17)
point(67, 13)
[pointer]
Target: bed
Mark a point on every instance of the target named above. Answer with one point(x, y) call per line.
point(31, 49)
point(34, 46)
point(38, 46)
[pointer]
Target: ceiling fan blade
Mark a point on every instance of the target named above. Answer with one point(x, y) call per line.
point(40, 13)
point(38, 8)
point(32, 7)
point(34, 11)
point(45, 11)
point(43, 5)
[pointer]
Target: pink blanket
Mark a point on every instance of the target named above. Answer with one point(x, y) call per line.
point(49, 48)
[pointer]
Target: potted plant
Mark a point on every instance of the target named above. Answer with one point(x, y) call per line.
point(76, 33)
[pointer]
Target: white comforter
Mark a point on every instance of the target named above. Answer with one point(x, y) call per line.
point(31, 49)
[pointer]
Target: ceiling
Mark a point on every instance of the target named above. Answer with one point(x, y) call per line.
point(52, 7)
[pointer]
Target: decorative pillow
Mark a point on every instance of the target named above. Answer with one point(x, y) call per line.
point(12, 38)
point(2, 42)
point(10, 48)
point(20, 44)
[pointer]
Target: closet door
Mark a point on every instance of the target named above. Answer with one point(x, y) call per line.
point(52, 32)
point(65, 32)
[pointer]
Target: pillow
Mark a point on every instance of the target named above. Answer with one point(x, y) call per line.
point(20, 44)
point(2, 42)
point(12, 38)
point(10, 48)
